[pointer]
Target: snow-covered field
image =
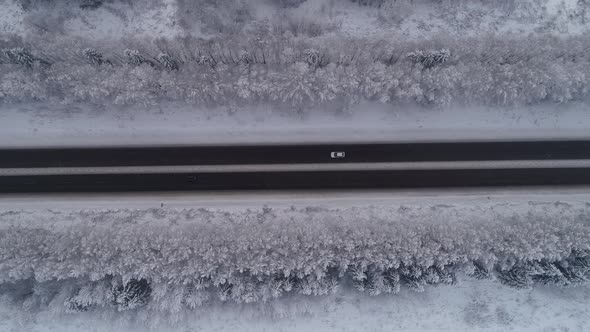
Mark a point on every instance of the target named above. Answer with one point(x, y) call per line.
point(469, 306)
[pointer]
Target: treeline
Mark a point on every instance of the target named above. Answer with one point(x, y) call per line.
point(72, 295)
point(85, 4)
point(172, 260)
point(92, 4)
point(297, 73)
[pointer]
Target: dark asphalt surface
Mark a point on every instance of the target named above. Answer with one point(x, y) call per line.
point(293, 154)
point(297, 180)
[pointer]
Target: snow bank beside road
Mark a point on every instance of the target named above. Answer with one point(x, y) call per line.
point(33, 125)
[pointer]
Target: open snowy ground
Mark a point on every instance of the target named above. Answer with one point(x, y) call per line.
point(469, 306)
point(33, 126)
point(517, 199)
point(176, 18)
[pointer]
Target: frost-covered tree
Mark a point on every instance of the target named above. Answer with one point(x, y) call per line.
point(131, 294)
point(167, 61)
point(290, 3)
point(488, 72)
point(245, 58)
point(429, 58)
point(20, 56)
point(374, 3)
point(478, 271)
point(91, 4)
point(94, 56)
point(312, 57)
point(572, 270)
point(90, 295)
point(297, 87)
point(134, 57)
point(19, 86)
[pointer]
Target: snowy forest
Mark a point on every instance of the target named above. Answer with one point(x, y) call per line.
point(173, 261)
point(299, 62)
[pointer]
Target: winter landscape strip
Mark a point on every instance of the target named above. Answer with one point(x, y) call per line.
point(169, 259)
point(197, 71)
point(336, 72)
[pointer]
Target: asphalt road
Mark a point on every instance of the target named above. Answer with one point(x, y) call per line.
point(297, 180)
point(293, 154)
point(296, 167)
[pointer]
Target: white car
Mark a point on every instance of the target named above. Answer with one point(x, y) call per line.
point(337, 155)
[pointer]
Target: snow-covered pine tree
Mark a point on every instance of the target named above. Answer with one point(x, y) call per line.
point(20, 56)
point(224, 291)
point(579, 261)
point(90, 4)
point(167, 61)
point(478, 271)
point(20, 85)
point(312, 57)
point(392, 281)
point(203, 59)
point(374, 3)
point(413, 278)
point(94, 57)
point(246, 290)
point(516, 277)
point(575, 269)
point(359, 277)
point(245, 58)
point(314, 285)
point(195, 297)
point(133, 294)
point(296, 87)
point(134, 57)
point(429, 58)
point(375, 282)
point(90, 294)
point(546, 273)
point(440, 275)
point(290, 3)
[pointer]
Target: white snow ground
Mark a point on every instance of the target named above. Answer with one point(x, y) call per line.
point(471, 305)
point(36, 126)
point(517, 199)
point(415, 19)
